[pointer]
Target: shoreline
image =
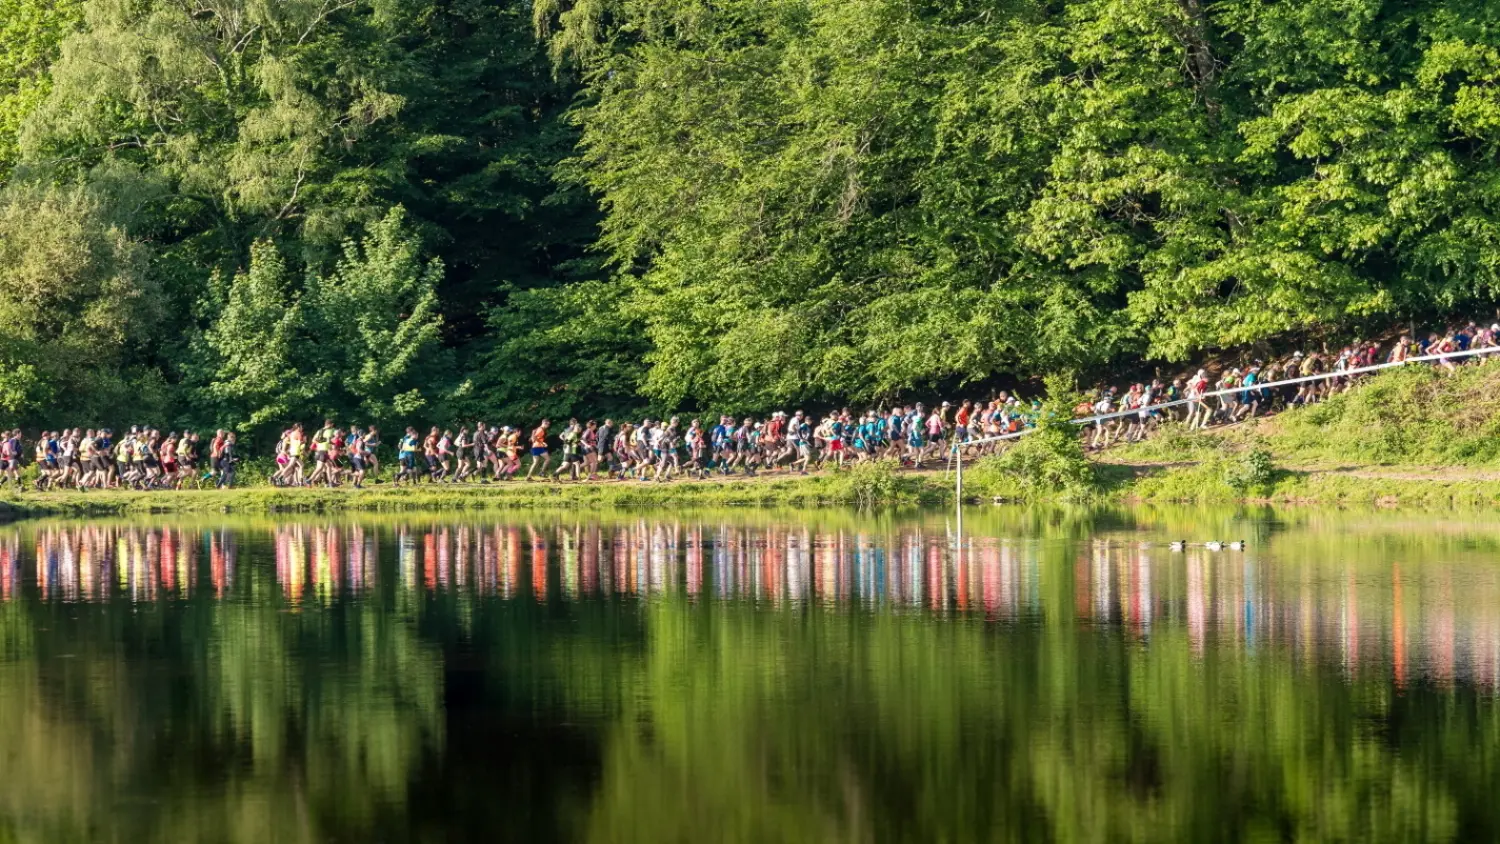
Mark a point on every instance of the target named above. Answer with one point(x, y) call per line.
point(1374, 486)
point(819, 490)
point(1184, 482)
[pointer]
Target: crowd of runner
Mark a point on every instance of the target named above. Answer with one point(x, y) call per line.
point(144, 458)
point(659, 450)
point(1236, 394)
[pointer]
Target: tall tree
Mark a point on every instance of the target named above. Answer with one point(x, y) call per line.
point(306, 119)
point(303, 123)
point(361, 341)
point(808, 198)
point(375, 327)
point(30, 31)
point(76, 302)
point(251, 358)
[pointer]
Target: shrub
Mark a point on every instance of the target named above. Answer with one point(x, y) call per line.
point(872, 483)
point(1047, 463)
point(1250, 470)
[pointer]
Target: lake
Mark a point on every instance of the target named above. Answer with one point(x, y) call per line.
point(1030, 675)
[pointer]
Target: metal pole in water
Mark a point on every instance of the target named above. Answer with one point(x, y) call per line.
point(958, 482)
point(957, 504)
point(958, 488)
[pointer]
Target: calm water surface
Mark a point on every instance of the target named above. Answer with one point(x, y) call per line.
point(1042, 676)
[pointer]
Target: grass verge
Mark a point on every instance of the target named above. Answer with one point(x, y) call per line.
point(870, 485)
point(1408, 437)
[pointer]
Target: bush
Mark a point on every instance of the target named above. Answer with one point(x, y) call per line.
point(1251, 470)
point(1047, 463)
point(872, 483)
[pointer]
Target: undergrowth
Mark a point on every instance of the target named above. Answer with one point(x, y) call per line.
point(1049, 463)
point(1414, 415)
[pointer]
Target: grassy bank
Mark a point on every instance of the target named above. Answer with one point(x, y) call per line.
point(1410, 437)
point(1207, 480)
point(866, 486)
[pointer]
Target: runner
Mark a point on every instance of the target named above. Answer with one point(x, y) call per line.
point(444, 450)
point(358, 457)
point(406, 457)
point(224, 464)
point(571, 439)
point(590, 441)
point(539, 453)
point(430, 454)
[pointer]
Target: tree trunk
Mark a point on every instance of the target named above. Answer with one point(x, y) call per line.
point(1200, 57)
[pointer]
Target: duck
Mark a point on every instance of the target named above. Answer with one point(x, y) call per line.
point(1237, 545)
point(1214, 545)
point(1179, 545)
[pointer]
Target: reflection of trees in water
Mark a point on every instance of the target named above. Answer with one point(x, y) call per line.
point(820, 727)
point(228, 720)
point(761, 681)
point(1414, 621)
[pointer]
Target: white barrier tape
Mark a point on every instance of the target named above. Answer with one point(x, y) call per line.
point(1322, 376)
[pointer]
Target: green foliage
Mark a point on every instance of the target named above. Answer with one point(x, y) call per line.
point(1250, 471)
point(30, 31)
point(558, 352)
point(820, 199)
point(254, 346)
point(362, 341)
point(76, 297)
point(740, 204)
point(1048, 463)
point(304, 123)
point(375, 326)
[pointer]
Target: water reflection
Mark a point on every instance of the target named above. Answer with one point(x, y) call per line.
point(737, 678)
point(1439, 622)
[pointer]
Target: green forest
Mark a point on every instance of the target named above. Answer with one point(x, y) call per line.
point(236, 212)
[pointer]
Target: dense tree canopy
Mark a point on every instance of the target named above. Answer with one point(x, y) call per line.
point(814, 198)
point(327, 198)
point(483, 207)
